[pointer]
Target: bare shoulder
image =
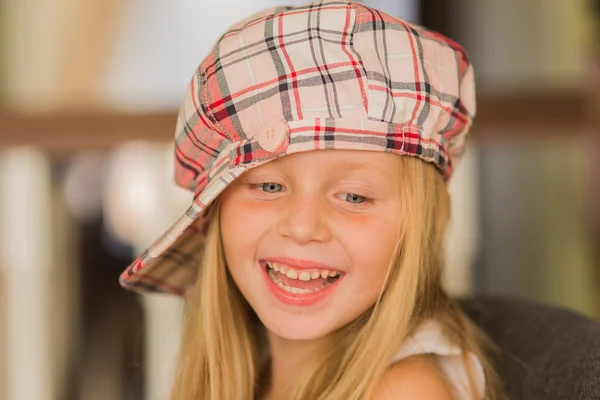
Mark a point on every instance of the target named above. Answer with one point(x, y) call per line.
point(416, 377)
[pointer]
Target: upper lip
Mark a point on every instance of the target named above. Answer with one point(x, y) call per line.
point(299, 264)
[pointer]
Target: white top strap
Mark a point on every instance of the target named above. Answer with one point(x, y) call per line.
point(429, 338)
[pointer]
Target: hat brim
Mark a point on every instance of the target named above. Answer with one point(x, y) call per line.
point(170, 265)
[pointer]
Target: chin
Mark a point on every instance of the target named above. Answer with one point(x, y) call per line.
point(299, 327)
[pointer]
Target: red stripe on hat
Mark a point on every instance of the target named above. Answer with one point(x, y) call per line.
point(317, 133)
point(292, 71)
point(301, 72)
point(431, 101)
point(287, 13)
point(354, 63)
point(416, 70)
point(200, 114)
point(362, 131)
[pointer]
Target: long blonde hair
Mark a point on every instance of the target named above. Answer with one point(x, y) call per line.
point(222, 351)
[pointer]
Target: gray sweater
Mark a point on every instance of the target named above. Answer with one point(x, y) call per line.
point(549, 353)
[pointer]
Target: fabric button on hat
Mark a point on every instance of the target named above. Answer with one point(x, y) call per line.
point(329, 75)
point(273, 136)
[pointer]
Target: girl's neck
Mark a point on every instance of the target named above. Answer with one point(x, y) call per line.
point(288, 359)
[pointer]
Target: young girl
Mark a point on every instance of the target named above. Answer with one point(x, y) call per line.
point(318, 141)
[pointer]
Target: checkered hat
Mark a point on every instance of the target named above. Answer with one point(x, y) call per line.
point(332, 74)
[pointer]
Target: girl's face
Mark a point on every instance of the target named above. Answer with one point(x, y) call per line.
point(290, 222)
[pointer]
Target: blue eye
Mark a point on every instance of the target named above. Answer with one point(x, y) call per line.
point(354, 198)
point(269, 187)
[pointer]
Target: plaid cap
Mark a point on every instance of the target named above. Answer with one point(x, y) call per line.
point(329, 75)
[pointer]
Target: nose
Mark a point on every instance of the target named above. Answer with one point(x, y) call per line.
point(304, 219)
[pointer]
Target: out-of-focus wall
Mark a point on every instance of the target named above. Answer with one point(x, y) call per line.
point(57, 52)
point(536, 241)
point(519, 45)
point(535, 236)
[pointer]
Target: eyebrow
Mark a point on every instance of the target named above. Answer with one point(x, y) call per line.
point(375, 174)
point(356, 166)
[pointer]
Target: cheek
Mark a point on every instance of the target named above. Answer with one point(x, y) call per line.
point(372, 244)
point(243, 223)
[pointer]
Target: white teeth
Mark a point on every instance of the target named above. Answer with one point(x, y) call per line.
point(292, 274)
point(290, 289)
point(304, 276)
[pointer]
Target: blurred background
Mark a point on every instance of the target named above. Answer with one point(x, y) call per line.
point(89, 92)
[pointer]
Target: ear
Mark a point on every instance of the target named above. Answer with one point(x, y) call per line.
point(416, 377)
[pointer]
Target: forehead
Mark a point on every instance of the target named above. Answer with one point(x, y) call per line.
point(372, 162)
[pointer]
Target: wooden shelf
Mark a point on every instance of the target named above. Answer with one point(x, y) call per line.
point(72, 131)
point(525, 115)
point(498, 116)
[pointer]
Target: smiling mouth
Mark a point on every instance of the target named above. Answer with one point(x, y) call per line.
point(300, 281)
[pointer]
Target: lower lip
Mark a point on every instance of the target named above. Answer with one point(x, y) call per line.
point(297, 299)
